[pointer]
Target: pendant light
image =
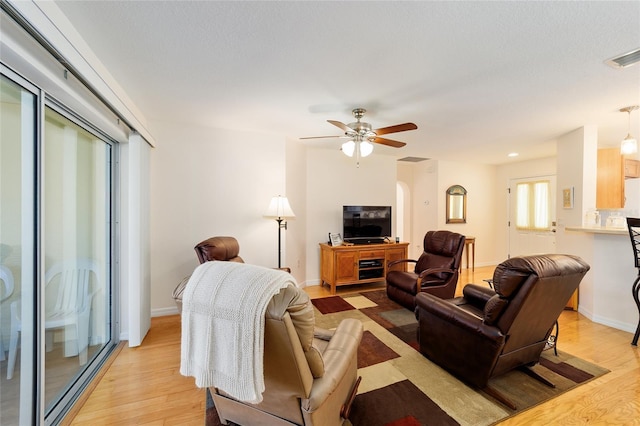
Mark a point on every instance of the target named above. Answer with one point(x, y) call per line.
point(629, 144)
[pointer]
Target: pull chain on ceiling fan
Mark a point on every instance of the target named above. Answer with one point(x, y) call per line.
point(361, 135)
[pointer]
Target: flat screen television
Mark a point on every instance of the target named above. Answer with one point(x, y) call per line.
point(366, 224)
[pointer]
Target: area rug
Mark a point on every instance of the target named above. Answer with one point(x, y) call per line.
point(400, 387)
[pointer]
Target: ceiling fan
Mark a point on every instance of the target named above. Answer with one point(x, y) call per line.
point(361, 135)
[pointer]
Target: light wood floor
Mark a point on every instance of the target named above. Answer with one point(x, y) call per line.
point(143, 385)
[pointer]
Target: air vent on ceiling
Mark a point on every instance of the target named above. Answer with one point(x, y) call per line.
point(413, 159)
point(625, 60)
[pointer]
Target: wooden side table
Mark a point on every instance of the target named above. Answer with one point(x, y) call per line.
point(470, 243)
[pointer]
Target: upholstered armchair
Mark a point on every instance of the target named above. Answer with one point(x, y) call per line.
point(310, 374)
point(435, 271)
point(488, 332)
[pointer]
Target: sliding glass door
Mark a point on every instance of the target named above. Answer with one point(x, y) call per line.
point(18, 124)
point(56, 238)
point(76, 209)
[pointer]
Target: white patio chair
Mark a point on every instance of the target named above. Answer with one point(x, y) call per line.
point(5, 292)
point(71, 310)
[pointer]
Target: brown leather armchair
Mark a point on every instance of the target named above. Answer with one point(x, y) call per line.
point(218, 248)
point(214, 248)
point(224, 249)
point(435, 272)
point(488, 332)
point(310, 374)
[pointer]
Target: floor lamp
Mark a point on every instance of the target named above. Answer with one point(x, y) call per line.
point(279, 209)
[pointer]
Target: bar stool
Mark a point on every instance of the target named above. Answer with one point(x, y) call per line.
point(634, 233)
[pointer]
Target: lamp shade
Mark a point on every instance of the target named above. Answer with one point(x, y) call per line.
point(279, 208)
point(348, 148)
point(366, 148)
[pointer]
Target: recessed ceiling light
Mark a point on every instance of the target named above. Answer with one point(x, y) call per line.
point(512, 154)
point(413, 159)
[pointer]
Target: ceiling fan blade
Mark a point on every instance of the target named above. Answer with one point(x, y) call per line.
point(388, 142)
point(321, 137)
point(341, 125)
point(397, 128)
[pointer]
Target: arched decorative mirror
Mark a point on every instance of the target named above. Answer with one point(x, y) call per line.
point(456, 204)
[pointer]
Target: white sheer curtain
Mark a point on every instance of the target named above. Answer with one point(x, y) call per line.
point(533, 210)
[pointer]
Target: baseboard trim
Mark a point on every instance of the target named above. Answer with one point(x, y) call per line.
point(618, 325)
point(163, 312)
point(309, 283)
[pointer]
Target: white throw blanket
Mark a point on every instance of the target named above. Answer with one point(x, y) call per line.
point(223, 310)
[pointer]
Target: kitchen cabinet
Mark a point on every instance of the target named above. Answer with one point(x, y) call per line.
point(610, 179)
point(631, 168)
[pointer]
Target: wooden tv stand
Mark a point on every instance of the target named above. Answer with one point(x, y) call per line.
point(358, 264)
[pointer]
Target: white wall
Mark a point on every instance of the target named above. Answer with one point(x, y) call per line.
point(333, 180)
point(209, 182)
point(429, 181)
point(577, 167)
point(480, 182)
point(295, 254)
point(405, 180)
point(424, 203)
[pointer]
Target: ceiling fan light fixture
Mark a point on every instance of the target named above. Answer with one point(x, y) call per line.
point(361, 136)
point(349, 148)
point(366, 148)
point(629, 144)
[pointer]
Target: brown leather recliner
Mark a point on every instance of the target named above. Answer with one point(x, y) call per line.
point(218, 248)
point(214, 248)
point(488, 332)
point(435, 272)
point(224, 249)
point(299, 389)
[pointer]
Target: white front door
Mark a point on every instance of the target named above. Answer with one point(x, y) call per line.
point(527, 232)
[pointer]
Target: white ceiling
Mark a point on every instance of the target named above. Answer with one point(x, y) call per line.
point(480, 79)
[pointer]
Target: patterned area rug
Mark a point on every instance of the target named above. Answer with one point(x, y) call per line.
point(400, 387)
